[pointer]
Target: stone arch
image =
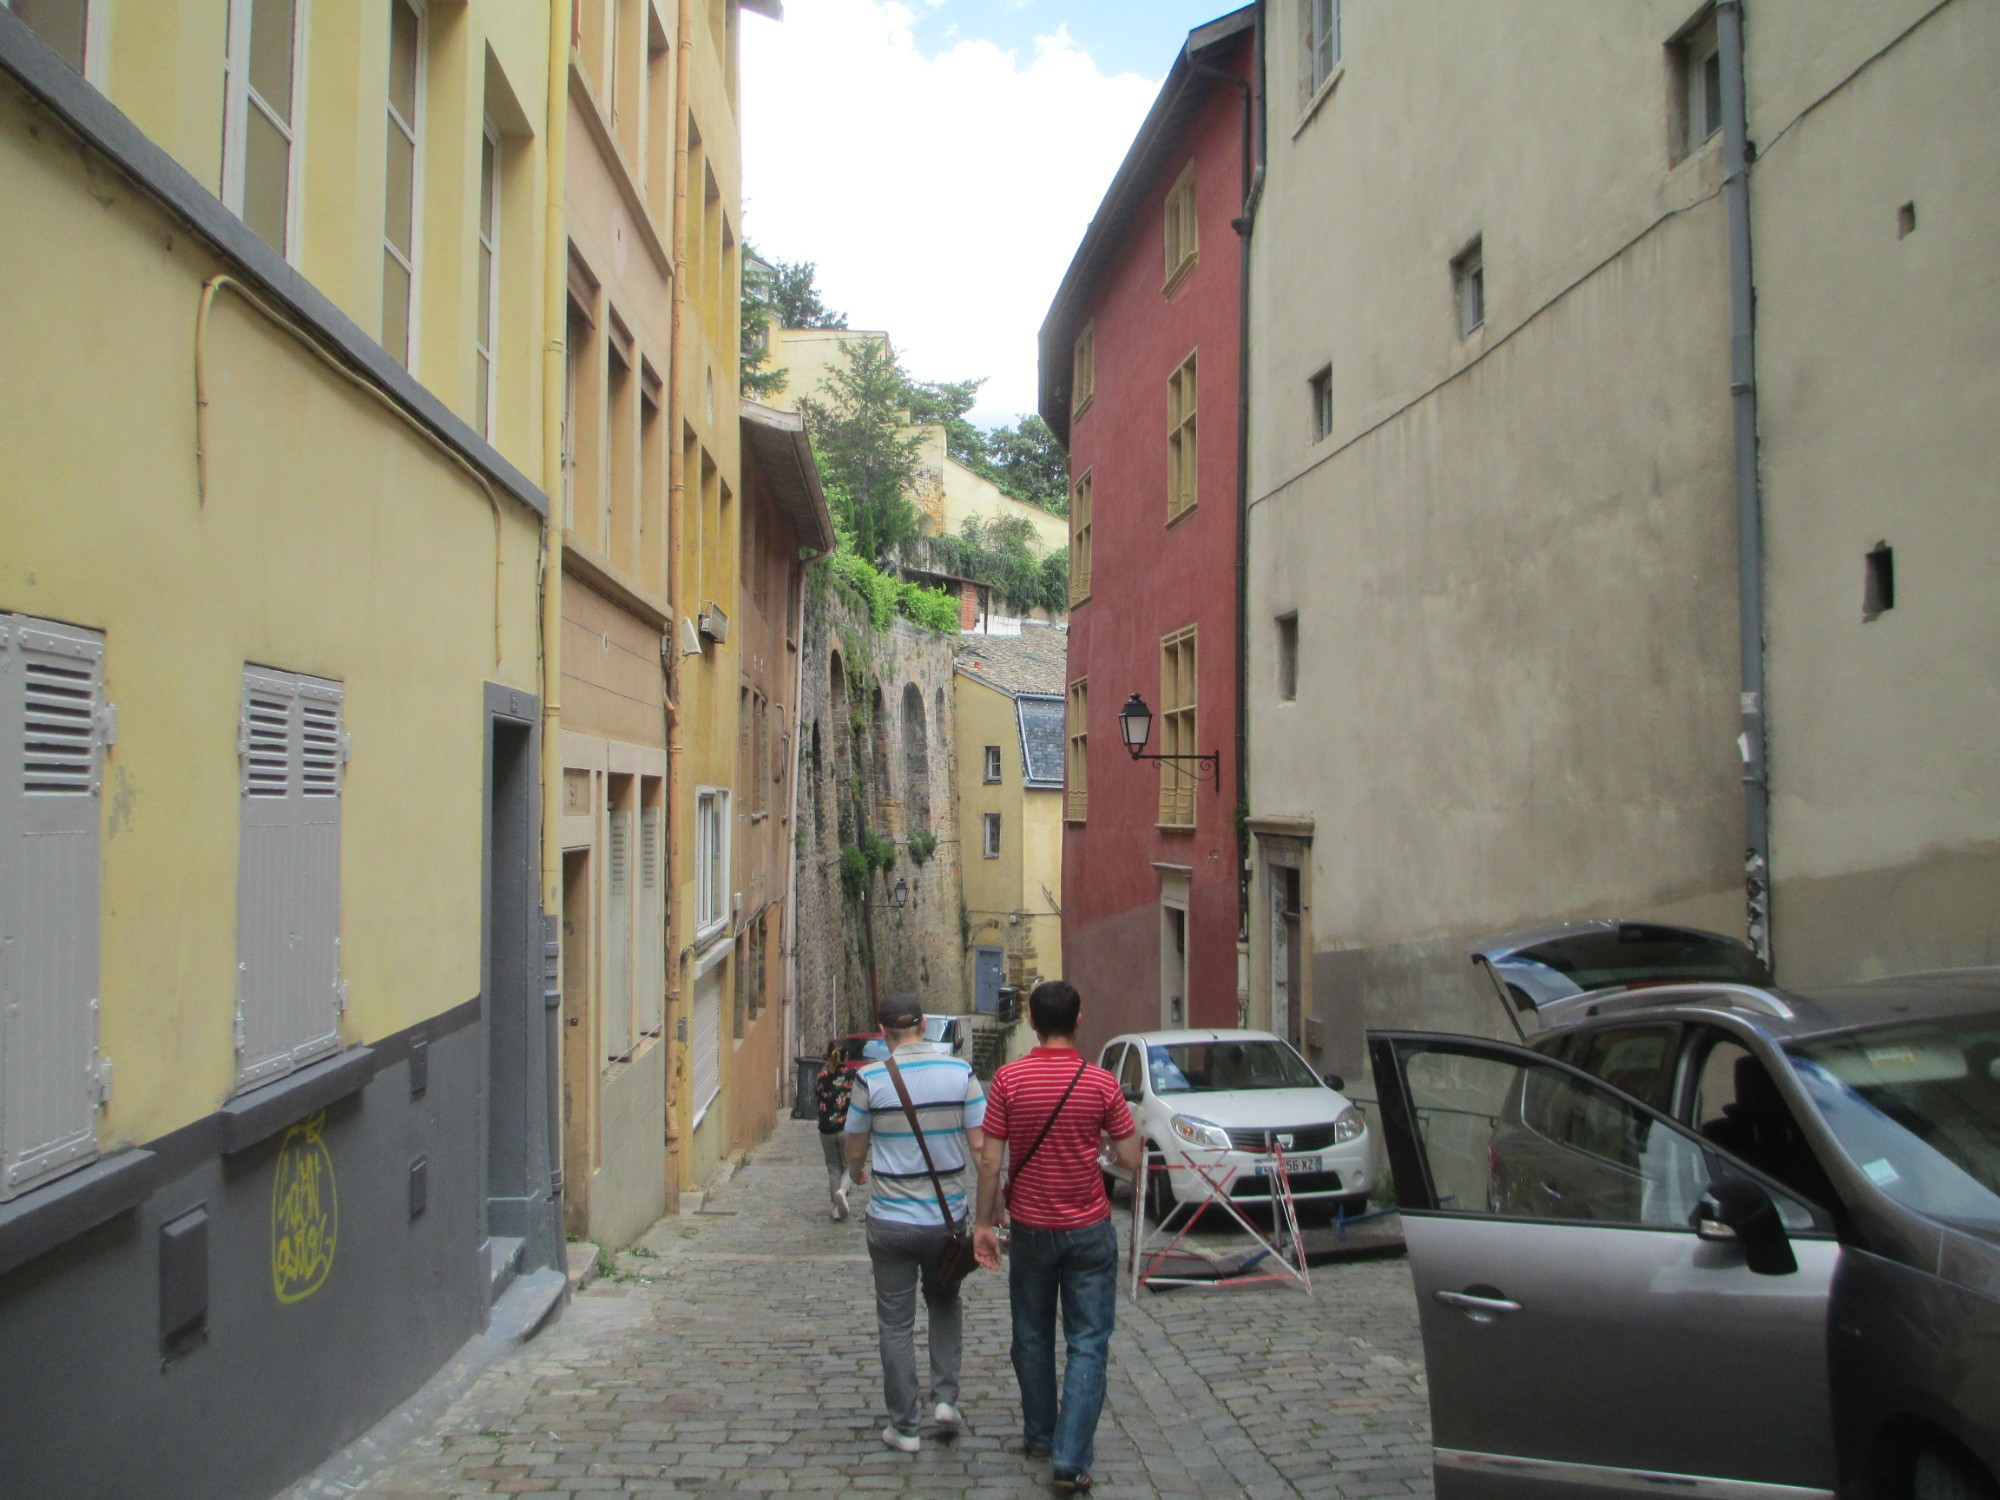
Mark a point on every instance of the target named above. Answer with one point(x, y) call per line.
point(881, 781)
point(916, 760)
point(815, 770)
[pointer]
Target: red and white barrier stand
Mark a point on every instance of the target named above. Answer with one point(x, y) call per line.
point(1158, 1253)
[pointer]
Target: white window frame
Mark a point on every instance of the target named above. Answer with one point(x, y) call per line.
point(1320, 36)
point(993, 765)
point(711, 862)
point(415, 130)
point(1698, 45)
point(989, 825)
point(55, 728)
point(239, 98)
point(486, 337)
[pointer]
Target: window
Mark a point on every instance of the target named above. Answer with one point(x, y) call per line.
point(53, 732)
point(1696, 107)
point(711, 860)
point(1288, 658)
point(1183, 474)
point(1322, 405)
point(1177, 727)
point(404, 170)
point(1083, 370)
point(63, 24)
point(649, 970)
point(618, 903)
point(990, 827)
point(486, 331)
point(1468, 288)
point(1079, 541)
point(1076, 766)
point(1878, 581)
point(289, 994)
point(1319, 42)
point(259, 138)
point(992, 763)
point(1180, 228)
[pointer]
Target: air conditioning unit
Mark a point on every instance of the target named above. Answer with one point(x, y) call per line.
point(714, 623)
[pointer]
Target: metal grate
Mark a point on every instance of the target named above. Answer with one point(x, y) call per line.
point(1304, 1138)
point(58, 740)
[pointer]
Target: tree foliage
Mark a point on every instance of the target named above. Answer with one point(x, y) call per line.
point(866, 463)
point(758, 314)
point(999, 552)
point(795, 297)
point(1028, 463)
point(944, 403)
point(885, 596)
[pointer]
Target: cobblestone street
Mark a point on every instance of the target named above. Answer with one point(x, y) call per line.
point(733, 1351)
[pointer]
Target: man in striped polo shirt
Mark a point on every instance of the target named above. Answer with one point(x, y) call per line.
point(1045, 1114)
point(906, 1231)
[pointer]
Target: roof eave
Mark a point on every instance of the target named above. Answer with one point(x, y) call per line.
point(784, 447)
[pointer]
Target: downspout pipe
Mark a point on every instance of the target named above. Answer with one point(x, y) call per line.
point(680, 811)
point(555, 381)
point(1737, 154)
point(1252, 181)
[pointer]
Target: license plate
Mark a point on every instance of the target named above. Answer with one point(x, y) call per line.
point(1293, 1166)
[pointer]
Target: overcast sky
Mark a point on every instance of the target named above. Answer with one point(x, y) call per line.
point(939, 160)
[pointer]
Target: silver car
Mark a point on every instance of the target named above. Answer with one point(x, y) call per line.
point(1765, 1263)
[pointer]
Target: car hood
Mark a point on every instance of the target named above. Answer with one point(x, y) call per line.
point(1259, 1109)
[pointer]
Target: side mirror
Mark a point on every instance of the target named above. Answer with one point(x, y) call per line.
point(1735, 1211)
point(1335, 1082)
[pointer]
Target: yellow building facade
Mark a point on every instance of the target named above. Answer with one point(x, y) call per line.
point(275, 1101)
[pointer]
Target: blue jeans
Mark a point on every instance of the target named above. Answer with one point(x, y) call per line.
point(1079, 1267)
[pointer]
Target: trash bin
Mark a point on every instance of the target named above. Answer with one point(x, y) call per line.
point(803, 1107)
point(1010, 1004)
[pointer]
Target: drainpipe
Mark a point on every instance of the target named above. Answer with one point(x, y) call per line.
point(1737, 154)
point(1252, 187)
point(555, 368)
point(791, 930)
point(678, 803)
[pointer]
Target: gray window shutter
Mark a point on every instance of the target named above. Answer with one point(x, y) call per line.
point(289, 993)
point(55, 726)
point(618, 941)
point(650, 977)
point(706, 1073)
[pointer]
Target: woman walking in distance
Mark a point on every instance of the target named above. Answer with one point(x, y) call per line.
point(1045, 1115)
point(830, 1091)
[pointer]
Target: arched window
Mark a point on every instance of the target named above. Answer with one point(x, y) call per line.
point(916, 760)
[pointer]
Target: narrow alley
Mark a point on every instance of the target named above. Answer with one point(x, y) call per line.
point(732, 1351)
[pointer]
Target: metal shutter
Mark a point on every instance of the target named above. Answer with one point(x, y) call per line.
point(289, 993)
point(55, 726)
point(618, 941)
point(707, 1076)
point(649, 979)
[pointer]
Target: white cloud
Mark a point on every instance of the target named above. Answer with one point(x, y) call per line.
point(941, 196)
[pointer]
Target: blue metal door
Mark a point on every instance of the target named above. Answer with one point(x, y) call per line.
point(990, 966)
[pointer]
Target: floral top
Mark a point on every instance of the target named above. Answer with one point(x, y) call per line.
point(830, 1093)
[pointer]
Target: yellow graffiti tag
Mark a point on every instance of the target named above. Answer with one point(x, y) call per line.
point(305, 1213)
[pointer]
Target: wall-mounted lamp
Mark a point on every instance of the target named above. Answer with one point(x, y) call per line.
point(900, 896)
point(1135, 726)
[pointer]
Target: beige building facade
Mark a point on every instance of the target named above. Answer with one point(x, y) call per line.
point(1493, 645)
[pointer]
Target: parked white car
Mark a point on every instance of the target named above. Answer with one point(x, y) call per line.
point(1232, 1099)
point(950, 1035)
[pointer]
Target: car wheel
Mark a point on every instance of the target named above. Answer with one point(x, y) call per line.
point(1160, 1199)
point(1943, 1473)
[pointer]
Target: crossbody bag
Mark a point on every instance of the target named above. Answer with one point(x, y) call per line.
point(1015, 1169)
point(958, 1261)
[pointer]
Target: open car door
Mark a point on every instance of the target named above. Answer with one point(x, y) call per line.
point(1608, 1303)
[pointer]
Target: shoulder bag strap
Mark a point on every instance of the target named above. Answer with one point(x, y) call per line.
point(910, 1112)
point(1014, 1172)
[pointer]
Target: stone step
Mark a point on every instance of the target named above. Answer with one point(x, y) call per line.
point(519, 1315)
point(503, 1260)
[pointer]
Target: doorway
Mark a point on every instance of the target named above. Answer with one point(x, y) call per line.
point(1173, 948)
point(579, 1133)
point(508, 974)
point(1287, 939)
point(989, 967)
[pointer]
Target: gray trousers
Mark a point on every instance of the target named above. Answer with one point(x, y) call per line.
point(902, 1255)
point(834, 1148)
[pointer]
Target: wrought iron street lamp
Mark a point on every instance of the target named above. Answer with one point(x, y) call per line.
point(901, 895)
point(1135, 727)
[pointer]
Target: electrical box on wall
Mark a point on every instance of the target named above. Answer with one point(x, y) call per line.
point(714, 623)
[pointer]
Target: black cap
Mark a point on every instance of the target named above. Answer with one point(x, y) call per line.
point(901, 1011)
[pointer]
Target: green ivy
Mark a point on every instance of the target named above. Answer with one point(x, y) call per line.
point(853, 871)
point(922, 845)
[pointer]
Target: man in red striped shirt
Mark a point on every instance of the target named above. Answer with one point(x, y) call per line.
point(1045, 1115)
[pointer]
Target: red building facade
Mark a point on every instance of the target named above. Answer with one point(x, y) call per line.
point(1140, 378)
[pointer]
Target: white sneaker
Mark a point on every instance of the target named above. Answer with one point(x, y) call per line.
point(839, 1204)
point(902, 1442)
point(947, 1418)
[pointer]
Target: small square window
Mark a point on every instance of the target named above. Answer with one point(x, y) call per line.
point(990, 824)
point(1468, 285)
point(1322, 404)
point(1696, 73)
point(992, 762)
point(1288, 658)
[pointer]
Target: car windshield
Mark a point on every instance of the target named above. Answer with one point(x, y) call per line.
point(1212, 1067)
point(938, 1028)
point(1916, 1105)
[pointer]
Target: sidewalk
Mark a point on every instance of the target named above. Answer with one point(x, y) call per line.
point(733, 1351)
